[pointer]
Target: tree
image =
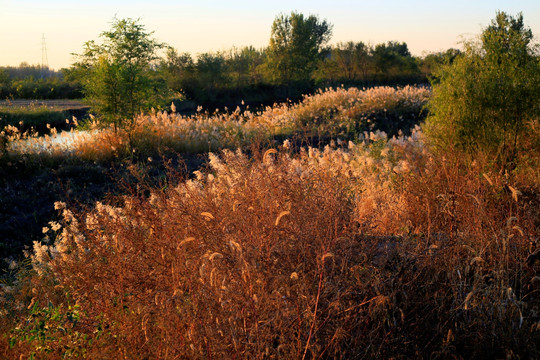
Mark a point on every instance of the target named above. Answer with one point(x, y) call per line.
point(4, 77)
point(348, 63)
point(119, 77)
point(243, 63)
point(178, 70)
point(352, 59)
point(432, 62)
point(295, 46)
point(394, 57)
point(5, 84)
point(211, 70)
point(485, 99)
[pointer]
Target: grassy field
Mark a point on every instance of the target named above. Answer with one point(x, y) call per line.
point(330, 228)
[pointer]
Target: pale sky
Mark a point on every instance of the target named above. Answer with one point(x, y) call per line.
point(206, 26)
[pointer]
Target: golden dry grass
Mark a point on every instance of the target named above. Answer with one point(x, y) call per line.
point(376, 249)
point(331, 112)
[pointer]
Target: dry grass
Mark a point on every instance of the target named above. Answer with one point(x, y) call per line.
point(329, 113)
point(379, 250)
point(375, 249)
point(345, 112)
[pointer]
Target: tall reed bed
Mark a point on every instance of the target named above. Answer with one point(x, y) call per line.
point(380, 249)
point(333, 112)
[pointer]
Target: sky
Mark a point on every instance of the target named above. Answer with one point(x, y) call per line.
point(199, 26)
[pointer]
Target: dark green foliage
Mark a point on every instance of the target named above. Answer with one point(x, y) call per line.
point(4, 77)
point(486, 99)
point(360, 65)
point(432, 62)
point(238, 77)
point(298, 62)
point(43, 89)
point(394, 58)
point(350, 61)
point(211, 70)
point(244, 65)
point(32, 82)
point(177, 69)
point(25, 71)
point(295, 46)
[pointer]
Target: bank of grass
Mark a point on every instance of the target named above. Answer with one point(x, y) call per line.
point(380, 249)
point(377, 248)
point(81, 165)
point(40, 115)
point(37, 118)
point(345, 113)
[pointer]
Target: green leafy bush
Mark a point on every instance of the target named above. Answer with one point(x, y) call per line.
point(118, 76)
point(486, 99)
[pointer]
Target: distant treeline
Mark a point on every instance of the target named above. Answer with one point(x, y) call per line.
point(36, 82)
point(245, 74)
point(226, 78)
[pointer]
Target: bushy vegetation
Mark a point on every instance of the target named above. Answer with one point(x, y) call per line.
point(296, 44)
point(85, 161)
point(263, 76)
point(489, 97)
point(377, 249)
point(117, 76)
point(380, 249)
point(334, 227)
point(346, 113)
point(34, 82)
point(297, 61)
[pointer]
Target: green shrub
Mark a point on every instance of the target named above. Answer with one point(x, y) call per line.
point(118, 76)
point(486, 99)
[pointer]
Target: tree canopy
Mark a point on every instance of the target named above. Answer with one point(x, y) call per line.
point(118, 75)
point(295, 46)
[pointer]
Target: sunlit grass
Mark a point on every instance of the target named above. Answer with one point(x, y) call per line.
point(378, 247)
point(331, 112)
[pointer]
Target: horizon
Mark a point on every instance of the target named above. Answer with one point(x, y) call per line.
point(212, 26)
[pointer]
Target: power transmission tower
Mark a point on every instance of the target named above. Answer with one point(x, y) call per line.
point(44, 58)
